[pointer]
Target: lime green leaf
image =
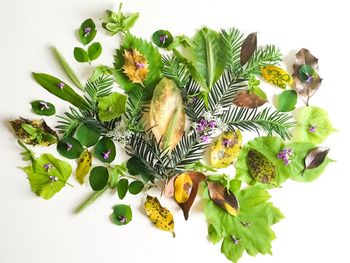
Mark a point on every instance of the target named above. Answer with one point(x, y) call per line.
point(135, 187)
point(286, 100)
point(41, 107)
point(80, 55)
point(162, 38)
point(48, 175)
point(87, 31)
point(122, 187)
point(111, 106)
point(87, 136)
point(60, 89)
point(105, 150)
point(116, 172)
point(94, 51)
point(121, 215)
point(98, 178)
point(69, 147)
point(313, 125)
point(129, 21)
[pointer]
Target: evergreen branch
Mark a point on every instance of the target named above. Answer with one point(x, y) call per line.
point(175, 70)
point(194, 106)
point(70, 121)
point(233, 41)
point(100, 87)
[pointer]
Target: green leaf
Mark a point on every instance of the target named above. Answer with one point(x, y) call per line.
point(130, 21)
point(41, 107)
point(209, 58)
point(135, 187)
point(111, 106)
point(121, 215)
point(87, 136)
point(135, 166)
point(94, 51)
point(69, 147)
point(60, 89)
point(48, 175)
point(118, 22)
point(313, 125)
point(87, 31)
point(162, 38)
point(287, 100)
point(105, 150)
point(80, 55)
point(98, 178)
point(116, 172)
point(122, 187)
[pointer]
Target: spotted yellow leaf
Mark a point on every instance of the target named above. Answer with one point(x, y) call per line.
point(277, 76)
point(84, 165)
point(182, 187)
point(225, 149)
point(160, 216)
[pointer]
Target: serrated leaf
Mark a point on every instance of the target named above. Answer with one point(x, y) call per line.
point(80, 55)
point(84, 165)
point(87, 136)
point(98, 178)
point(122, 187)
point(276, 76)
point(105, 150)
point(94, 51)
point(111, 106)
point(160, 216)
point(248, 48)
point(69, 147)
point(41, 107)
point(287, 100)
point(122, 215)
point(87, 31)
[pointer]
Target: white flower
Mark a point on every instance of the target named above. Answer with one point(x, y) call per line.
point(120, 133)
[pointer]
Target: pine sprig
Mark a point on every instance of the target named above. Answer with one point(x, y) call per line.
point(194, 106)
point(100, 87)
point(175, 70)
point(70, 121)
point(233, 40)
point(252, 120)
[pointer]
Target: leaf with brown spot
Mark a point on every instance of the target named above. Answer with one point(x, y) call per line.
point(246, 99)
point(223, 198)
point(316, 157)
point(196, 179)
point(248, 48)
point(276, 76)
point(84, 165)
point(135, 65)
point(182, 188)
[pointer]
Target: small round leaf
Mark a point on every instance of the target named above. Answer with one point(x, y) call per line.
point(105, 150)
point(69, 147)
point(162, 38)
point(80, 55)
point(41, 107)
point(122, 187)
point(307, 73)
point(98, 178)
point(87, 136)
point(135, 166)
point(287, 100)
point(87, 31)
point(94, 51)
point(121, 215)
point(135, 187)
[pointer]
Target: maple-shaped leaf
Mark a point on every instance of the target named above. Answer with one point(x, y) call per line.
point(250, 230)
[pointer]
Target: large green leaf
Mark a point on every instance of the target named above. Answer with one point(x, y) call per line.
point(48, 175)
point(111, 106)
point(209, 57)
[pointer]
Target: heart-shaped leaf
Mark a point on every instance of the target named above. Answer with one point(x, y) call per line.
point(41, 107)
point(105, 150)
point(98, 178)
point(122, 215)
point(69, 147)
point(248, 48)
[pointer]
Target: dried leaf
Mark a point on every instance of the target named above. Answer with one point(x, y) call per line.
point(160, 216)
point(135, 65)
point(306, 87)
point(196, 179)
point(246, 99)
point(167, 114)
point(223, 198)
point(169, 187)
point(182, 187)
point(260, 168)
point(225, 149)
point(276, 76)
point(316, 157)
point(248, 48)
point(84, 165)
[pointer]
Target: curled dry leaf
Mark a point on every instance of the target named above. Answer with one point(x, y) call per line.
point(316, 157)
point(167, 113)
point(306, 87)
point(196, 178)
point(246, 99)
point(225, 149)
point(223, 198)
point(248, 47)
point(182, 188)
point(276, 76)
point(135, 65)
point(84, 165)
point(160, 216)
point(169, 187)
point(260, 168)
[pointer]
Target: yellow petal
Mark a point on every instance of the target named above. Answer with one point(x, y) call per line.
point(84, 165)
point(182, 188)
point(276, 76)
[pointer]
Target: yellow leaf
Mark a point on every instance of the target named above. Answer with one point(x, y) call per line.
point(160, 216)
point(276, 76)
point(84, 165)
point(225, 149)
point(182, 187)
point(135, 65)
point(223, 198)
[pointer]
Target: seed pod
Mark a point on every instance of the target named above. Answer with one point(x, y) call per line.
point(260, 168)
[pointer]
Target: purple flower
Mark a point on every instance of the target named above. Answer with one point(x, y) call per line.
point(285, 155)
point(106, 154)
point(205, 138)
point(87, 31)
point(163, 38)
point(43, 105)
point(122, 219)
point(53, 178)
point(227, 143)
point(60, 85)
point(310, 78)
point(312, 129)
point(69, 146)
point(47, 166)
point(212, 124)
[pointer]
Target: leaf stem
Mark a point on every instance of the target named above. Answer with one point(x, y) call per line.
point(92, 198)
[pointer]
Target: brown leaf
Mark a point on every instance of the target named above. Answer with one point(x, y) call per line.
point(247, 99)
point(135, 65)
point(248, 47)
point(223, 198)
point(316, 157)
point(196, 179)
point(305, 89)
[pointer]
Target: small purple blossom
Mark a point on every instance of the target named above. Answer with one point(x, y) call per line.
point(205, 138)
point(139, 65)
point(106, 154)
point(310, 78)
point(285, 155)
point(227, 143)
point(43, 105)
point(312, 129)
point(60, 85)
point(53, 178)
point(47, 166)
point(69, 146)
point(212, 124)
point(122, 219)
point(163, 38)
point(87, 31)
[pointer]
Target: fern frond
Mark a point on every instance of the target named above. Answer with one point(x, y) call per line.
point(175, 70)
point(194, 106)
point(233, 39)
point(70, 121)
point(252, 120)
point(100, 87)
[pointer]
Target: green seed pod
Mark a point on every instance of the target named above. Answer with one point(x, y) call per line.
point(260, 168)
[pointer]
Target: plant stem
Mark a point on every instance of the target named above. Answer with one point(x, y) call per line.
point(92, 198)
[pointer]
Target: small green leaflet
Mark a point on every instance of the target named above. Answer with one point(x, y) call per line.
point(87, 136)
point(47, 175)
point(69, 147)
point(87, 31)
point(287, 100)
point(121, 215)
point(105, 150)
point(111, 106)
point(98, 178)
point(41, 107)
point(94, 51)
point(162, 38)
point(80, 55)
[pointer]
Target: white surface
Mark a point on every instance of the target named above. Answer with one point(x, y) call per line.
point(316, 228)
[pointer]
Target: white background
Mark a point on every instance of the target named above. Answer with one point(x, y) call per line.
point(316, 228)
